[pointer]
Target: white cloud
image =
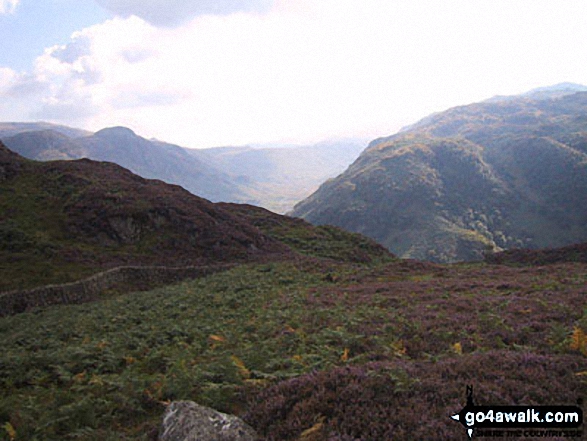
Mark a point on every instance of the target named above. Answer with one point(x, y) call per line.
point(303, 71)
point(8, 6)
point(6, 76)
point(174, 12)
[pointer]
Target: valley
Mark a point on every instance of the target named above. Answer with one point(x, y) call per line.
point(293, 220)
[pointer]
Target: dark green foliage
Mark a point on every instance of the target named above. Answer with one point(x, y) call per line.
point(13, 238)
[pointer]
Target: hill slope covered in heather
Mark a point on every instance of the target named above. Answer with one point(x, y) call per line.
point(62, 220)
point(316, 332)
point(477, 178)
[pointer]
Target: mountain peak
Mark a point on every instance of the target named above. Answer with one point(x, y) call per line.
point(541, 93)
point(560, 87)
point(116, 132)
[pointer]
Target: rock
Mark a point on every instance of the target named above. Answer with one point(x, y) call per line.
point(188, 421)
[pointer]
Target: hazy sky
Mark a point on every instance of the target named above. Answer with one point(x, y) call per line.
point(204, 73)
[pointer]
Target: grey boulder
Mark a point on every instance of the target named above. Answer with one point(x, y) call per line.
point(188, 421)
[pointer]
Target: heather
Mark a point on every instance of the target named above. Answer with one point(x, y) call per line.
point(409, 399)
point(305, 349)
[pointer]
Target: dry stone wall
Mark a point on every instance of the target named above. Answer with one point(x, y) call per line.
point(91, 289)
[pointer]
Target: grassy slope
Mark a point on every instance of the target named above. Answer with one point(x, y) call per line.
point(315, 342)
point(387, 341)
point(325, 241)
point(61, 221)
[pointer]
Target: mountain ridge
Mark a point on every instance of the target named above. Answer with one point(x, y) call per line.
point(150, 159)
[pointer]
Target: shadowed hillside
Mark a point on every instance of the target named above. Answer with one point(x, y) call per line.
point(64, 220)
point(327, 242)
point(548, 256)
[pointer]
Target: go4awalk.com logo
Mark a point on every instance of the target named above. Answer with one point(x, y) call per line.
point(519, 421)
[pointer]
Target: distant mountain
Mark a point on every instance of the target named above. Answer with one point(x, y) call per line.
point(272, 177)
point(539, 93)
point(474, 179)
point(45, 145)
point(149, 159)
point(556, 91)
point(14, 128)
point(279, 177)
point(160, 160)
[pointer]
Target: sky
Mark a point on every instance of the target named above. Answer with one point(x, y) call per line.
point(205, 73)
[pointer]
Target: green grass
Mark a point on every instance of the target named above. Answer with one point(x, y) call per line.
point(324, 241)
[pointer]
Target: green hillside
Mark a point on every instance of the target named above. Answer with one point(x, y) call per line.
point(474, 179)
